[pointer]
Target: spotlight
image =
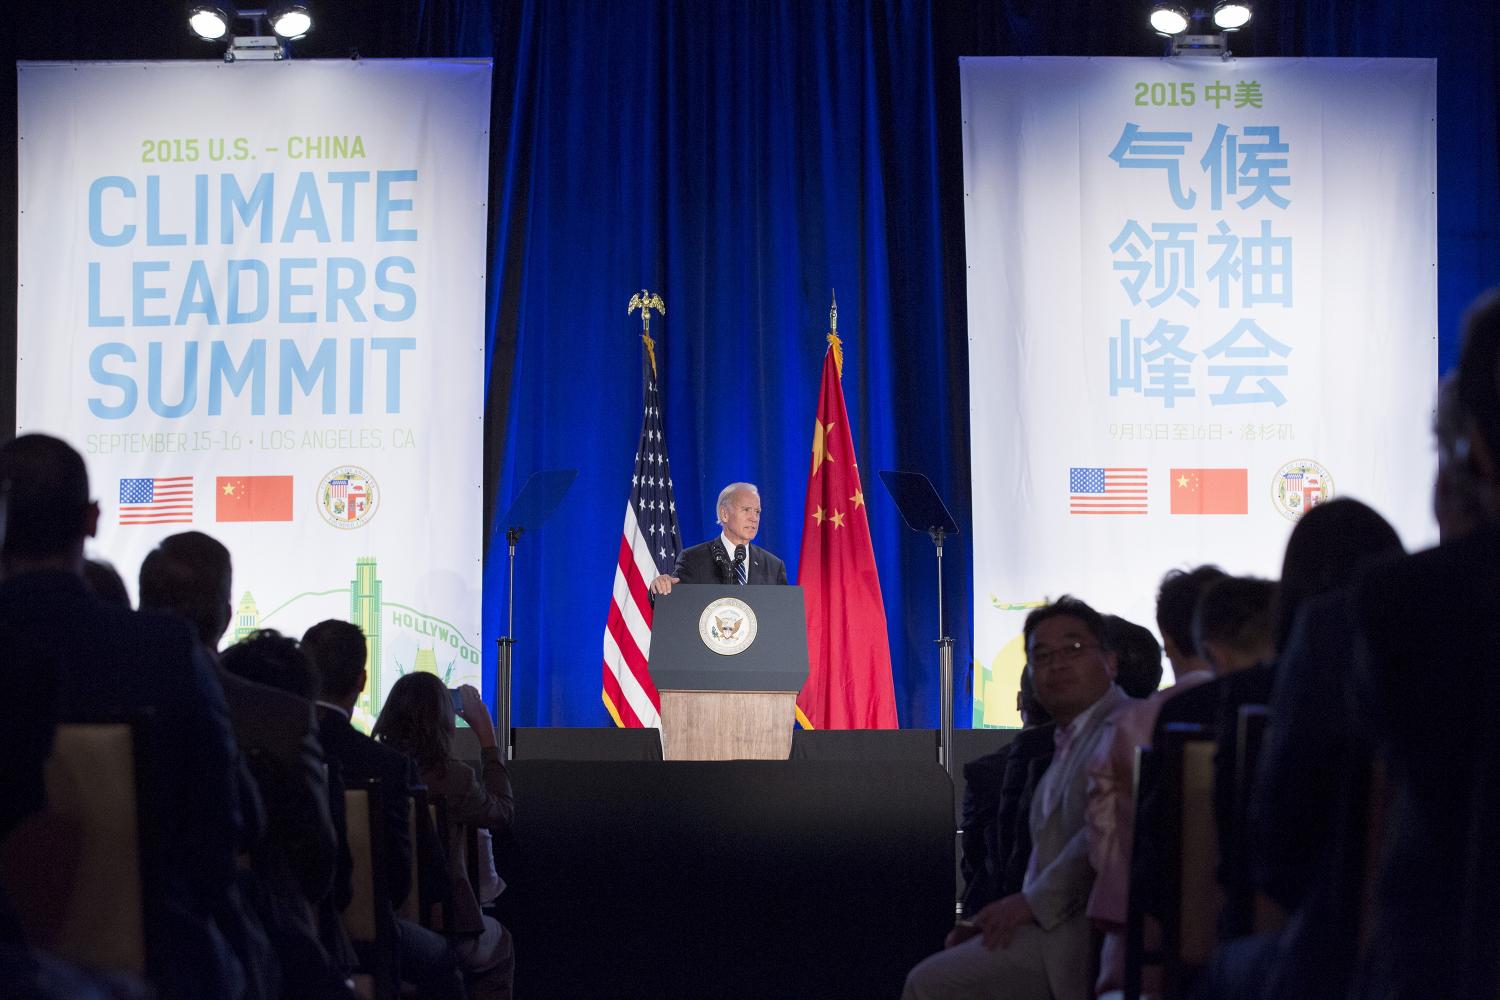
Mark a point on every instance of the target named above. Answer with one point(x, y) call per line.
point(1228, 15)
point(1169, 18)
point(290, 21)
point(209, 23)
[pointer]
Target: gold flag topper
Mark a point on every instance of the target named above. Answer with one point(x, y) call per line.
point(646, 301)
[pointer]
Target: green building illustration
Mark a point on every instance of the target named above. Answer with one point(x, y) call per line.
point(364, 611)
point(246, 617)
point(426, 661)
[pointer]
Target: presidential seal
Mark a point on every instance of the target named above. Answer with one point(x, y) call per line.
point(727, 626)
point(347, 497)
point(1300, 486)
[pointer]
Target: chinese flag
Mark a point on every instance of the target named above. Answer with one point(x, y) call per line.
point(253, 498)
point(1210, 491)
point(849, 678)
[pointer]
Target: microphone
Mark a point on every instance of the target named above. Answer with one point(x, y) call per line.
point(721, 564)
point(739, 562)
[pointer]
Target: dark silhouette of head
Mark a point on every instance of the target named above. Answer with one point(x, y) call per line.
point(1176, 599)
point(1137, 654)
point(1232, 623)
point(1032, 712)
point(1478, 445)
point(417, 719)
point(45, 490)
point(190, 574)
point(105, 583)
point(338, 650)
point(276, 660)
point(1329, 543)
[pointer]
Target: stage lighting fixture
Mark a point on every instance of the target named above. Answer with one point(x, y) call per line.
point(209, 23)
point(290, 21)
point(1169, 18)
point(1228, 15)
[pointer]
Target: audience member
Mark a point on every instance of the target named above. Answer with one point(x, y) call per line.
point(1297, 808)
point(293, 856)
point(104, 583)
point(298, 858)
point(418, 720)
point(994, 831)
point(1032, 712)
point(1176, 600)
point(1036, 942)
point(1139, 655)
point(1232, 631)
point(1111, 772)
point(339, 652)
point(110, 659)
point(1429, 697)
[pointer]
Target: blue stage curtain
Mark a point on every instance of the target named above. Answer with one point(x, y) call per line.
point(742, 159)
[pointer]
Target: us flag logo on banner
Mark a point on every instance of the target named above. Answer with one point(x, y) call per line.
point(1095, 490)
point(156, 500)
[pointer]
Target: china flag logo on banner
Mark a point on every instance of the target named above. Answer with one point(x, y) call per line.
point(849, 655)
point(1210, 491)
point(253, 498)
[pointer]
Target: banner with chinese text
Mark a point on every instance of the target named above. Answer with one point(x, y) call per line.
point(252, 295)
point(1202, 299)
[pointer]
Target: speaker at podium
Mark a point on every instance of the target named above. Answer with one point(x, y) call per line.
point(728, 662)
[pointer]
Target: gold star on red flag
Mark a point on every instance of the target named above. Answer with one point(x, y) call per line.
point(858, 498)
point(820, 444)
point(818, 515)
point(838, 519)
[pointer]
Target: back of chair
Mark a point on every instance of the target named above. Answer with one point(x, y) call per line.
point(1189, 931)
point(1254, 911)
point(366, 918)
point(77, 871)
point(411, 906)
point(438, 914)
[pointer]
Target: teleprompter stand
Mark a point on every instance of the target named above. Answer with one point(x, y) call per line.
point(922, 510)
point(530, 510)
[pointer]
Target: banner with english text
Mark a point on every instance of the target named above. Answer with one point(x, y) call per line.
point(1202, 300)
point(252, 295)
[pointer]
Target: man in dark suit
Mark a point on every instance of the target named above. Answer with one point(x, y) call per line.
point(292, 862)
point(730, 558)
point(110, 660)
point(338, 651)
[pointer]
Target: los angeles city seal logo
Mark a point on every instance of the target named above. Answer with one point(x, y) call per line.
point(727, 626)
point(1299, 486)
point(348, 497)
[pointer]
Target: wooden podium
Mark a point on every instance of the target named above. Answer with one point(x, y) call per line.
point(728, 661)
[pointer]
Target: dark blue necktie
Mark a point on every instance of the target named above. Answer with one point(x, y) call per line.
point(739, 563)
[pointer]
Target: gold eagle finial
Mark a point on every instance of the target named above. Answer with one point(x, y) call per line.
point(646, 301)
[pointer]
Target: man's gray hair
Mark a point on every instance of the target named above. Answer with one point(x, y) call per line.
point(730, 491)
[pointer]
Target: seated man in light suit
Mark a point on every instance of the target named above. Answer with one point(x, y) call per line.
point(1034, 944)
point(730, 558)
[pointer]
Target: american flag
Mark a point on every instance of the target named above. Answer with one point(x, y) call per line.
point(1096, 490)
point(649, 545)
point(158, 500)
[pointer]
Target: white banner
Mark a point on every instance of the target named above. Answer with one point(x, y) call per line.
point(252, 295)
point(1202, 299)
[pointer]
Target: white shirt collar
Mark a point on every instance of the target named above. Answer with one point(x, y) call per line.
point(729, 547)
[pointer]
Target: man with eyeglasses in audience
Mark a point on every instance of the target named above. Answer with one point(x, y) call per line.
point(1034, 944)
